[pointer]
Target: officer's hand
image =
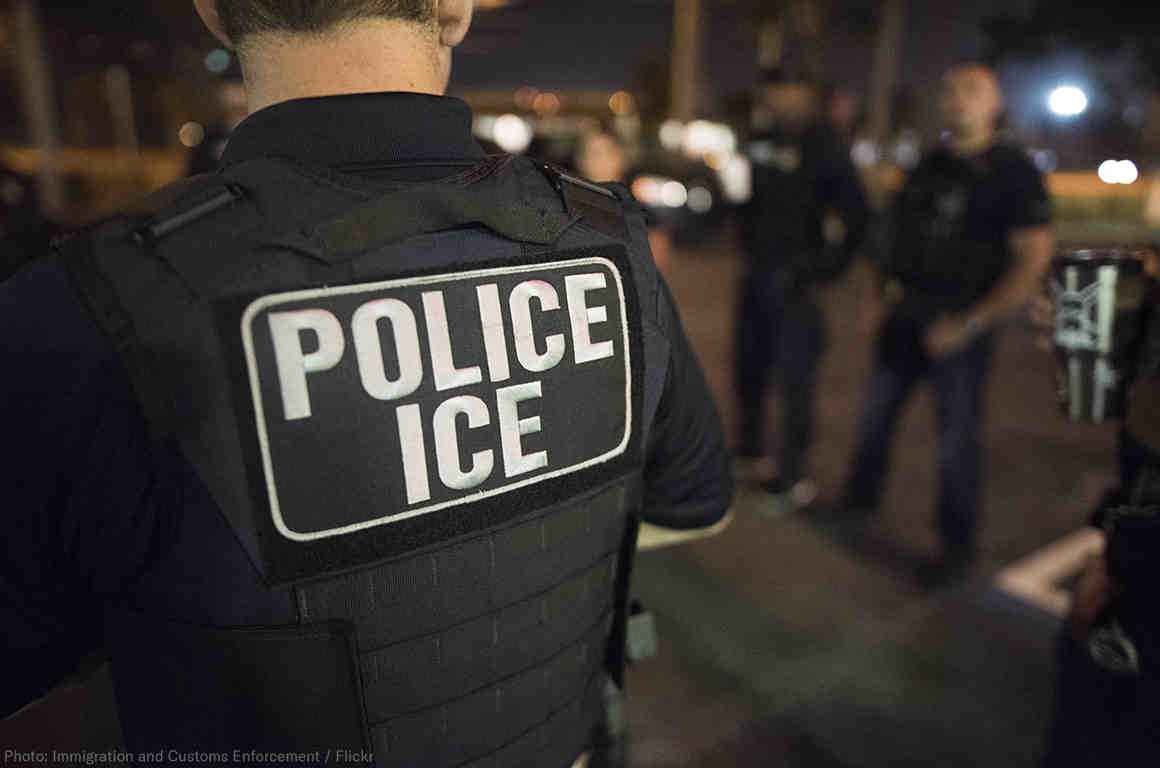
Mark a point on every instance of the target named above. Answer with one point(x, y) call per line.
point(1041, 312)
point(1093, 594)
point(947, 335)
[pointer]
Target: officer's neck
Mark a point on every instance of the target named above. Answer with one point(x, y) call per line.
point(972, 143)
point(372, 56)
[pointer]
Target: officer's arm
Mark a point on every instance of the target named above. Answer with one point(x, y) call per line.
point(64, 404)
point(1031, 248)
point(1030, 241)
point(688, 477)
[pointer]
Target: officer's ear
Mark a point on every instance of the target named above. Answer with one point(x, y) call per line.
point(453, 17)
point(208, 11)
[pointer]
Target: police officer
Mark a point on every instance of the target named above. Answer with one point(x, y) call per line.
point(805, 192)
point(970, 244)
point(337, 452)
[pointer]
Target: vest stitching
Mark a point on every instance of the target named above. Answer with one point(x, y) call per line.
point(568, 647)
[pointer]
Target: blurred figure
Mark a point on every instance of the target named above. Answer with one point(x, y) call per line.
point(969, 245)
point(805, 194)
point(1109, 713)
point(842, 111)
point(207, 155)
point(601, 156)
point(24, 229)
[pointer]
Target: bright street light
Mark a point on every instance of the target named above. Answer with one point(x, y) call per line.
point(1118, 172)
point(1067, 101)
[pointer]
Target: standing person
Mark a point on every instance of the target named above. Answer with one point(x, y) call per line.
point(970, 244)
point(801, 174)
point(337, 452)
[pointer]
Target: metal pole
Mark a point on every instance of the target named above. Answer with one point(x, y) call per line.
point(809, 25)
point(885, 73)
point(39, 101)
point(686, 56)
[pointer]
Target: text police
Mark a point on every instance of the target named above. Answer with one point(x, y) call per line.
point(434, 348)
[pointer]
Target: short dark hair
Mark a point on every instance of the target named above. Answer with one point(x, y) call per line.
point(247, 17)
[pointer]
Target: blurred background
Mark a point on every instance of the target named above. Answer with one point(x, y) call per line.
point(103, 102)
point(777, 644)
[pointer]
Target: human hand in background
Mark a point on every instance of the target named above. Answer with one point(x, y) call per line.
point(1093, 594)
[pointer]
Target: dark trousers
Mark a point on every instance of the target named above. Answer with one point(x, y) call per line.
point(779, 328)
point(1102, 719)
point(958, 381)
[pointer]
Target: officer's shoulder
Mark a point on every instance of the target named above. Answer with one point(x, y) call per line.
point(937, 155)
point(1008, 156)
point(183, 206)
point(610, 209)
point(584, 194)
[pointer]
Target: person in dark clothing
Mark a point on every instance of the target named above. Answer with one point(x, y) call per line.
point(1110, 714)
point(805, 193)
point(24, 229)
point(343, 449)
point(969, 245)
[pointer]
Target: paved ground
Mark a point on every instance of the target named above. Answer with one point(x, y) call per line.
point(781, 644)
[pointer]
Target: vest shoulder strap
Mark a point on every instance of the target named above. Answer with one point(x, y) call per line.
point(132, 235)
point(602, 207)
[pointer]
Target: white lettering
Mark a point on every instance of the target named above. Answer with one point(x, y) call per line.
point(414, 453)
point(512, 428)
point(583, 316)
point(447, 443)
point(369, 348)
point(494, 341)
point(293, 364)
point(447, 376)
point(520, 303)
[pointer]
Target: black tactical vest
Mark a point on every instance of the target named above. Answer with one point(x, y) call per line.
point(424, 413)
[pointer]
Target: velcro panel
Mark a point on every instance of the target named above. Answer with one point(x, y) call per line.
point(292, 688)
point(597, 208)
point(361, 404)
point(423, 594)
point(497, 717)
point(421, 673)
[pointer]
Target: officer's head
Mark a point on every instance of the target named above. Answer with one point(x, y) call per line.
point(972, 100)
point(417, 33)
point(784, 100)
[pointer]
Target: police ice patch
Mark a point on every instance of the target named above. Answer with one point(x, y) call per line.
point(396, 414)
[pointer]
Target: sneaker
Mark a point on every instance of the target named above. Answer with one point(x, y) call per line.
point(804, 493)
point(783, 498)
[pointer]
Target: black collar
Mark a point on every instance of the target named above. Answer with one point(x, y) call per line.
point(358, 129)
